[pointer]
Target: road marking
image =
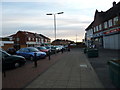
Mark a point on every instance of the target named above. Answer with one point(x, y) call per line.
point(83, 65)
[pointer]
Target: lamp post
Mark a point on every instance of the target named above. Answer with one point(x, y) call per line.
point(55, 20)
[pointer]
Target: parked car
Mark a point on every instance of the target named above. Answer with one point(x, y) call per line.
point(1, 49)
point(11, 51)
point(58, 48)
point(29, 53)
point(48, 47)
point(62, 47)
point(51, 49)
point(11, 61)
point(43, 49)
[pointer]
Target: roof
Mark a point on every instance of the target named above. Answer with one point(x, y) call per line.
point(89, 26)
point(30, 34)
point(101, 17)
point(44, 36)
point(112, 12)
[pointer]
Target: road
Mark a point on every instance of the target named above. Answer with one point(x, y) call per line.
point(70, 66)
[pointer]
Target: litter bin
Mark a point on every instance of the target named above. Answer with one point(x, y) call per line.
point(92, 52)
point(114, 71)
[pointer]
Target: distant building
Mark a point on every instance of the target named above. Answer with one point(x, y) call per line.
point(104, 31)
point(6, 42)
point(61, 42)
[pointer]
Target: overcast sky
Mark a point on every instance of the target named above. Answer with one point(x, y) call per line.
point(30, 15)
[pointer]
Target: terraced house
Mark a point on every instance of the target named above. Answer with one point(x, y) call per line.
point(104, 31)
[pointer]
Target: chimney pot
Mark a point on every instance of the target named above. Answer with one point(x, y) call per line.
point(114, 3)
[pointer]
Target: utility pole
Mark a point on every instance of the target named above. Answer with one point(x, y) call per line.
point(76, 38)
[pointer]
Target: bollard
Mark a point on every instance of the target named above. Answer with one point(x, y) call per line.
point(55, 52)
point(69, 49)
point(49, 55)
point(4, 73)
point(3, 68)
point(35, 59)
point(62, 50)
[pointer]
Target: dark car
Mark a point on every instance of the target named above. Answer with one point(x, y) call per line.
point(11, 51)
point(29, 53)
point(11, 61)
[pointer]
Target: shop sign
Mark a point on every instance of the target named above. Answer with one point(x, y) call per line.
point(112, 31)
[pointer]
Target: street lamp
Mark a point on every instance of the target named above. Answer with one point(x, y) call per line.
point(55, 20)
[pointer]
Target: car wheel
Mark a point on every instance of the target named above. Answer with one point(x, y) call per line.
point(16, 64)
point(31, 58)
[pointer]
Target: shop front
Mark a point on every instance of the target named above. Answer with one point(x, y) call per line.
point(111, 39)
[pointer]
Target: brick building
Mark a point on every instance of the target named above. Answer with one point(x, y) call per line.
point(104, 31)
point(26, 39)
point(45, 40)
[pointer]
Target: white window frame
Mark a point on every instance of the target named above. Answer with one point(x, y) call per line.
point(96, 28)
point(115, 20)
point(42, 40)
point(100, 27)
point(29, 38)
point(105, 25)
point(110, 23)
point(36, 39)
point(33, 39)
point(18, 39)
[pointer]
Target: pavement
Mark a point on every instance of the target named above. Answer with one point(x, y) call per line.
point(72, 70)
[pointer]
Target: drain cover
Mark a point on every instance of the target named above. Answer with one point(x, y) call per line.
point(83, 65)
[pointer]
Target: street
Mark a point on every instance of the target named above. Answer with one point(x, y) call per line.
point(64, 70)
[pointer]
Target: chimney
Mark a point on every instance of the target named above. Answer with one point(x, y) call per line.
point(114, 3)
